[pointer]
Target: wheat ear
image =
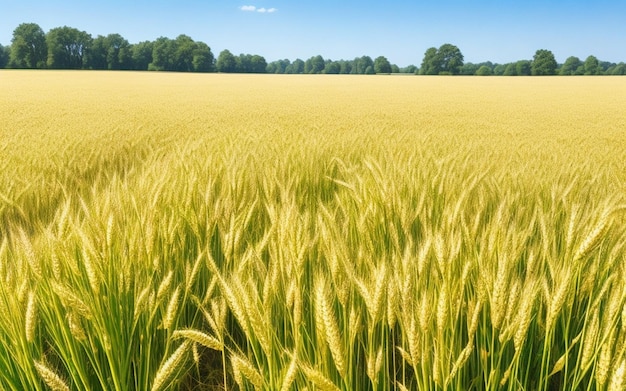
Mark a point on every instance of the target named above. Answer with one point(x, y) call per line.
point(51, 379)
point(170, 367)
point(31, 316)
point(200, 338)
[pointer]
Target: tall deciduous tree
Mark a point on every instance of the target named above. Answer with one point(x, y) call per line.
point(314, 65)
point(382, 65)
point(67, 47)
point(332, 68)
point(510, 69)
point(110, 52)
point(183, 48)
point(203, 59)
point(28, 47)
point(524, 68)
point(226, 62)
point(543, 63)
point(484, 70)
point(296, 67)
point(572, 66)
point(430, 65)
point(118, 55)
point(163, 55)
point(141, 54)
point(360, 65)
point(450, 59)
point(620, 69)
point(592, 66)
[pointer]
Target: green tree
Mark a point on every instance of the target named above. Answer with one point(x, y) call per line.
point(523, 68)
point(447, 60)
point(572, 66)
point(332, 68)
point(395, 68)
point(119, 55)
point(409, 69)
point(484, 70)
point(141, 55)
point(203, 59)
point(510, 69)
point(592, 66)
point(430, 63)
point(620, 69)
point(67, 47)
point(163, 55)
point(243, 63)
point(97, 56)
point(4, 56)
point(499, 69)
point(360, 65)
point(605, 65)
point(345, 67)
point(450, 59)
point(278, 66)
point(296, 67)
point(543, 63)
point(183, 47)
point(315, 64)
point(382, 65)
point(226, 62)
point(28, 47)
point(469, 68)
point(110, 52)
point(258, 64)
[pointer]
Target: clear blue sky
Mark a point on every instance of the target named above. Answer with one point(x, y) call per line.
point(500, 31)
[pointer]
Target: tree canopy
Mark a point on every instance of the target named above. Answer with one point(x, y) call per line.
point(543, 64)
point(382, 65)
point(67, 48)
point(447, 60)
point(28, 47)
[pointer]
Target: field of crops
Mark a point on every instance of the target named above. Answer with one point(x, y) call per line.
point(208, 232)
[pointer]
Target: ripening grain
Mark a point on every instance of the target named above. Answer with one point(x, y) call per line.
point(320, 232)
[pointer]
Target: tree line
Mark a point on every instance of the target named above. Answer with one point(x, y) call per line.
point(69, 48)
point(448, 60)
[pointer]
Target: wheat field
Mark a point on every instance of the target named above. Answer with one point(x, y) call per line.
point(266, 232)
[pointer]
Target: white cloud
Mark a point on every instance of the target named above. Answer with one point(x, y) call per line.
point(252, 8)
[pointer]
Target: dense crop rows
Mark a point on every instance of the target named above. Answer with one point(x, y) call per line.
point(283, 233)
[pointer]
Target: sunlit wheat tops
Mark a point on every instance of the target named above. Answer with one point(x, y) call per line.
point(163, 231)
